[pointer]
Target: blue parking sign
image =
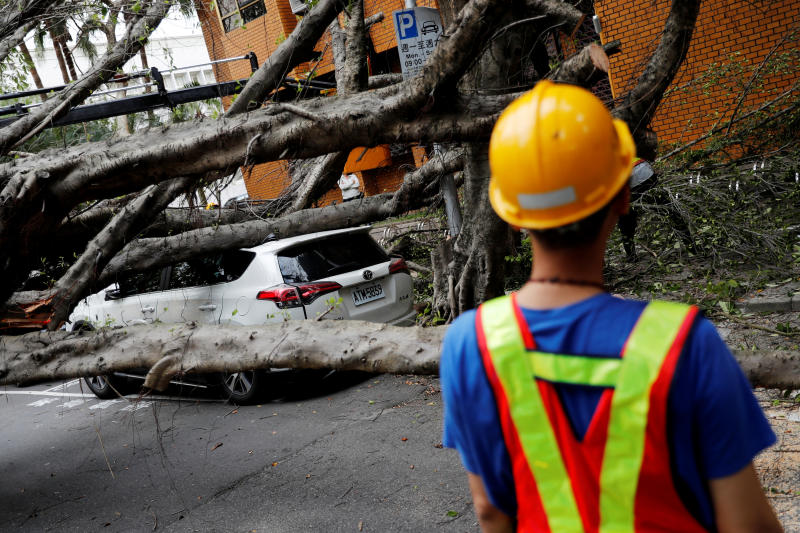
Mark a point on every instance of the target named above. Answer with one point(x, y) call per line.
point(406, 24)
point(417, 31)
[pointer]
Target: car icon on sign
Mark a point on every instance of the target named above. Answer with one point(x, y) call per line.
point(429, 26)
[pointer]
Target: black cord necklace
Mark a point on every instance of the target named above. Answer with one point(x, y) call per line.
point(567, 281)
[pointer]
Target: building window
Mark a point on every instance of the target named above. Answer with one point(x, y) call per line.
point(236, 13)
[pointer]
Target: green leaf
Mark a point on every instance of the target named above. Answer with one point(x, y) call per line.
point(452, 514)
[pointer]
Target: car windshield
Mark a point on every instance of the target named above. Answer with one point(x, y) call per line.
point(315, 260)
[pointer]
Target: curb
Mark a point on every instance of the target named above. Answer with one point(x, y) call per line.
point(781, 304)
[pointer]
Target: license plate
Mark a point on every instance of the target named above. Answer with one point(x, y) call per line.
point(367, 293)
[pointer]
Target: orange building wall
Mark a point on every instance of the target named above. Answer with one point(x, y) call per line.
point(263, 36)
point(731, 38)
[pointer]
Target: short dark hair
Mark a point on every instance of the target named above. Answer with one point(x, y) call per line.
point(576, 234)
point(580, 233)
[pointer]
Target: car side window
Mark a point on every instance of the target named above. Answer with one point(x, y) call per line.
point(140, 282)
point(210, 269)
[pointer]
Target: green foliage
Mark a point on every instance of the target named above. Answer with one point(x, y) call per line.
point(64, 136)
point(12, 75)
point(518, 265)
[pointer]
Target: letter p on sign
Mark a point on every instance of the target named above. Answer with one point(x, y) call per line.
point(406, 24)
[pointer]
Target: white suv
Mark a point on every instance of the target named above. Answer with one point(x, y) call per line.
point(332, 275)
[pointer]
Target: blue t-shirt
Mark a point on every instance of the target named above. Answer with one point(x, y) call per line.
point(714, 422)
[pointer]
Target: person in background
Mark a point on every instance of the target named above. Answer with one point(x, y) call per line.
point(349, 185)
point(573, 410)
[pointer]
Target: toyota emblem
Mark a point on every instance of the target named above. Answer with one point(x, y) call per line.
point(367, 275)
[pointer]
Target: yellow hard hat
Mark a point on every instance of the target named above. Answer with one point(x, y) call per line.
point(556, 156)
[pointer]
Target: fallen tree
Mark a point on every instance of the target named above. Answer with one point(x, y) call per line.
point(169, 350)
point(476, 69)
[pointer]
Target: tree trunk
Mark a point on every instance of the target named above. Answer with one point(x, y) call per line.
point(475, 258)
point(169, 350)
point(32, 67)
point(68, 59)
point(59, 56)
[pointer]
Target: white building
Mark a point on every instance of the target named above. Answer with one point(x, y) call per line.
point(177, 43)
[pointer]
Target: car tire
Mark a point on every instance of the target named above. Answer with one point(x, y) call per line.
point(105, 387)
point(243, 387)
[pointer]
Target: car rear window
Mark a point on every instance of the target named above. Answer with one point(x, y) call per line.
point(315, 260)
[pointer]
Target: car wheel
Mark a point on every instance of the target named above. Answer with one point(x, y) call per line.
point(105, 387)
point(242, 387)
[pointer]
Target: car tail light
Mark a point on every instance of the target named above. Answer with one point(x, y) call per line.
point(398, 264)
point(286, 296)
point(311, 291)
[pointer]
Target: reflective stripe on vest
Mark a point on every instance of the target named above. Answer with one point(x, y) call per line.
point(515, 369)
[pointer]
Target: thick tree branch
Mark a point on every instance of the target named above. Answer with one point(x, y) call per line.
point(290, 53)
point(564, 13)
point(639, 105)
point(584, 68)
point(345, 345)
point(77, 281)
point(21, 13)
point(58, 105)
point(383, 80)
point(153, 252)
point(350, 61)
point(12, 41)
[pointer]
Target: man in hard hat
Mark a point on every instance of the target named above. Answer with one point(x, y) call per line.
point(574, 410)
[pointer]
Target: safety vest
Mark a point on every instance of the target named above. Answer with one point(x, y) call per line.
point(618, 478)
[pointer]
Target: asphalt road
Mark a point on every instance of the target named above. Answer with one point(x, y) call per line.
point(352, 452)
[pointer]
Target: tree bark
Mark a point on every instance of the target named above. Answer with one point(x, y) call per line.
point(21, 13)
point(101, 72)
point(77, 282)
point(62, 64)
point(296, 49)
point(14, 40)
point(144, 254)
point(169, 350)
point(584, 68)
point(23, 48)
point(65, 51)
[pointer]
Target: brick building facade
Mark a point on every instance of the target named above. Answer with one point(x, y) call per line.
point(380, 169)
point(731, 40)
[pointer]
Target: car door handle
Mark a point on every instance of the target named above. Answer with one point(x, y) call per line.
point(207, 307)
point(148, 309)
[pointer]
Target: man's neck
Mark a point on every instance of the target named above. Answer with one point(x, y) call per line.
point(566, 276)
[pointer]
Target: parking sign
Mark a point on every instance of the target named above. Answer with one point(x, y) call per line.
point(417, 31)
